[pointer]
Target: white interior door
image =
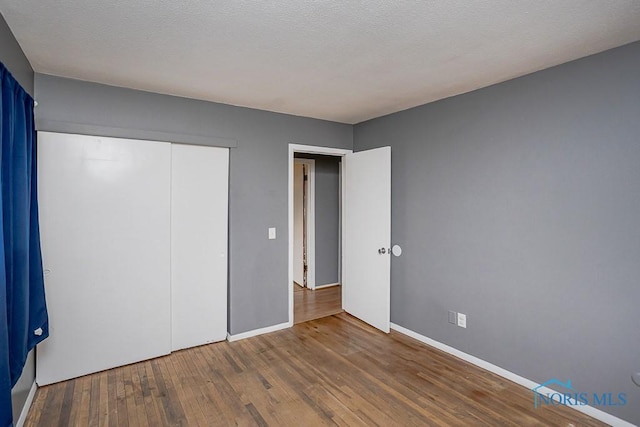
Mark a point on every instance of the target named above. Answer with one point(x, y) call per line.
point(105, 227)
point(366, 271)
point(199, 200)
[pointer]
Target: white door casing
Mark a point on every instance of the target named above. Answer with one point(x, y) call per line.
point(366, 271)
point(309, 149)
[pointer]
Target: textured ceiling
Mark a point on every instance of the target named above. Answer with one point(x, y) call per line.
point(346, 61)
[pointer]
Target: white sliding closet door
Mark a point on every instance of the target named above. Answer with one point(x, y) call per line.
point(105, 230)
point(199, 200)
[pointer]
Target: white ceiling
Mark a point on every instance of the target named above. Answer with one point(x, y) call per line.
point(346, 61)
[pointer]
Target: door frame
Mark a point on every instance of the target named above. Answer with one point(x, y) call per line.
point(307, 149)
point(310, 229)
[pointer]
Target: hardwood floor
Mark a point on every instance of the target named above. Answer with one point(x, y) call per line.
point(332, 371)
point(309, 305)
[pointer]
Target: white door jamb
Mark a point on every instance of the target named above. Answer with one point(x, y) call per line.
point(308, 149)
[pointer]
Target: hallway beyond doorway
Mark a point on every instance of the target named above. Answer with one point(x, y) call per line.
point(310, 305)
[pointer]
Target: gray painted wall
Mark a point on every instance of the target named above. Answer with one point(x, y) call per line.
point(327, 219)
point(519, 205)
point(327, 216)
point(258, 167)
point(13, 58)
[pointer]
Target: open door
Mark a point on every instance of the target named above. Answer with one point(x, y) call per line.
point(366, 267)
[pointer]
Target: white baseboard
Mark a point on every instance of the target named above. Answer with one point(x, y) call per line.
point(27, 405)
point(525, 382)
point(328, 285)
point(257, 332)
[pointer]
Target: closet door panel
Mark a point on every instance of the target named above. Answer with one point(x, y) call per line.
point(105, 231)
point(199, 206)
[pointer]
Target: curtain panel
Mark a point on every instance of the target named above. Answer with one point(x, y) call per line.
point(23, 312)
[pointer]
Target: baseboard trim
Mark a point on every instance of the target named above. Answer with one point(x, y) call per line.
point(27, 405)
point(257, 332)
point(328, 285)
point(525, 382)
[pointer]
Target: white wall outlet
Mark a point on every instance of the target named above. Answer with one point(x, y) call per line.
point(462, 320)
point(272, 233)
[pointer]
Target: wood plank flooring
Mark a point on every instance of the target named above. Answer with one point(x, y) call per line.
point(309, 305)
point(332, 371)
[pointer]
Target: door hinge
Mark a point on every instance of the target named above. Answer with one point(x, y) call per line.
point(306, 177)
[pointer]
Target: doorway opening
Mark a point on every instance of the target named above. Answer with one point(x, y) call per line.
point(315, 221)
point(316, 236)
point(365, 264)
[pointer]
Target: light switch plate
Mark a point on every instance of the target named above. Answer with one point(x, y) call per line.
point(462, 320)
point(272, 233)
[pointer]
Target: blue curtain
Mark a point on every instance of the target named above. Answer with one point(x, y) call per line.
point(23, 312)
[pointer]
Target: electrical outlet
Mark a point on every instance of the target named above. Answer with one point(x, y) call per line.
point(453, 317)
point(272, 233)
point(462, 320)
